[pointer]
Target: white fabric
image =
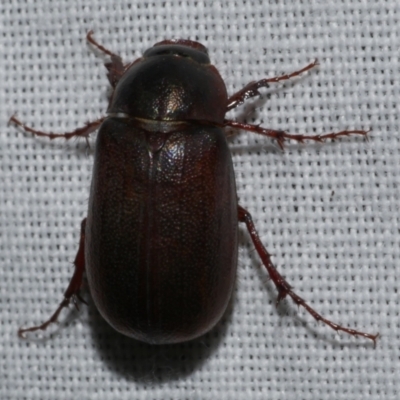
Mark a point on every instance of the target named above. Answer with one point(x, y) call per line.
point(328, 213)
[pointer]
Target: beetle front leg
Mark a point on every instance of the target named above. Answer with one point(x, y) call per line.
point(251, 89)
point(116, 67)
point(72, 292)
point(283, 287)
point(282, 136)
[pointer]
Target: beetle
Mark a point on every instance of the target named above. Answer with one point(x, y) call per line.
point(160, 241)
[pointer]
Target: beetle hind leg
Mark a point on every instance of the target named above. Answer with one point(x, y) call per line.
point(283, 287)
point(72, 292)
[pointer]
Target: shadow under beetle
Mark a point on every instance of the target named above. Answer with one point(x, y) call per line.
point(159, 244)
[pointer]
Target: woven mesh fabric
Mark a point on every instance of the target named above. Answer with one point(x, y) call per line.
point(328, 213)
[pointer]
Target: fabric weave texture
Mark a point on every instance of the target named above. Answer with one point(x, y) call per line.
point(328, 213)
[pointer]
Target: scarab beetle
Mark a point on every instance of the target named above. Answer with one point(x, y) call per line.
point(159, 245)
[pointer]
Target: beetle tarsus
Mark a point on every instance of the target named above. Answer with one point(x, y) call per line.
point(51, 320)
point(284, 289)
point(89, 38)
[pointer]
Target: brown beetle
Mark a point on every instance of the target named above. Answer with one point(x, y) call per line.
point(159, 245)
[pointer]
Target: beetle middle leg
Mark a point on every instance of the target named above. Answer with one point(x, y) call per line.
point(282, 136)
point(72, 292)
point(283, 287)
point(83, 131)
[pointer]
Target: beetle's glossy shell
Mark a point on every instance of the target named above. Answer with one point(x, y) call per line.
point(161, 234)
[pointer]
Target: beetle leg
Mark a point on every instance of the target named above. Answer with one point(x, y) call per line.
point(282, 136)
point(83, 131)
point(115, 68)
point(283, 287)
point(251, 89)
point(72, 292)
